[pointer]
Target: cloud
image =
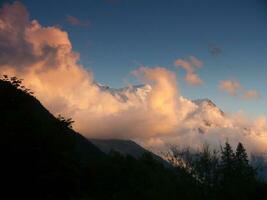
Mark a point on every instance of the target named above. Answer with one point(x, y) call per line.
point(230, 86)
point(74, 21)
point(154, 115)
point(234, 88)
point(190, 66)
point(251, 95)
point(196, 62)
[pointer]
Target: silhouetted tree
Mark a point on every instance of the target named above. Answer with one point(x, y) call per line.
point(241, 157)
point(65, 121)
point(245, 176)
point(17, 83)
point(227, 159)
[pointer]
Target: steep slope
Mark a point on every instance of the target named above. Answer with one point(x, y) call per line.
point(122, 146)
point(125, 147)
point(207, 103)
point(41, 155)
point(22, 113)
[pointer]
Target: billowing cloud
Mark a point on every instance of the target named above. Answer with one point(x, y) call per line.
point(230, 86)
point(154, 114)
point(74, 21)
point(190, 66)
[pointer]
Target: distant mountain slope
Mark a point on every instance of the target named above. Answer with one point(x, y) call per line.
point(125, 147)
point(122, 146)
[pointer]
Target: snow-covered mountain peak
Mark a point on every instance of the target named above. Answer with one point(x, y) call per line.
point(123, 94)
point(203, 101)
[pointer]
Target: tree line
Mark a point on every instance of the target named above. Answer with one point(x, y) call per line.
point(224, 174)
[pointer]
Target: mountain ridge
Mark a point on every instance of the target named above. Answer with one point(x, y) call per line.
point(126, 147)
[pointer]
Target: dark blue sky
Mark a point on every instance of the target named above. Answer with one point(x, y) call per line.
point(126, 33)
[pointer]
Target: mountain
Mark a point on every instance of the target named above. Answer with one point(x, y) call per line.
point(122, 94)
point(125, 147)
point(203, 111)
point(141, 92)
point(21, 112)
point(41, 155)
point(207, 103)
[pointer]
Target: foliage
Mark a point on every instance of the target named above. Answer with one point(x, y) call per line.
point(17, 83)
point(65, 121)
point(220, 175)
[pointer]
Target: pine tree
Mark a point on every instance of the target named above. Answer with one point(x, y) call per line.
point(244, 174)
point(227, 158)
point(226, 173)
point(241, 157)
point(242, 167)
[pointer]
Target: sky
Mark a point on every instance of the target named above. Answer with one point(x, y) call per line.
point(115, 37)
point(179, 50)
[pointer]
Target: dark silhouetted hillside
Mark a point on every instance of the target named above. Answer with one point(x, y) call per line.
point(41, 154)
point(42, 158)
point(126, 147)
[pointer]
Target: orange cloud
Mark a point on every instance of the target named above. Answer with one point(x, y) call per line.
point(196, 62)
point(251, 95)
point(191, 76)
point(234, 88)
point(230, 86)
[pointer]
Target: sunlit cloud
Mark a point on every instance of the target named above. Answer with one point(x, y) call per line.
point(190, 66)
point(251, 95)
point(234, 88)
point(196, 62)
point(230, 86)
